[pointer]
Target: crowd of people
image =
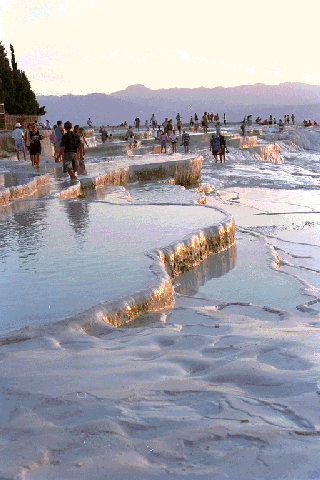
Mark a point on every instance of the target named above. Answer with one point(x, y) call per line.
point(167, 134)
point(273, 121)
point(69, 145)
point(194, 121)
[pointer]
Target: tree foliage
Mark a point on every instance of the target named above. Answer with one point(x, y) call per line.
point(15, 88)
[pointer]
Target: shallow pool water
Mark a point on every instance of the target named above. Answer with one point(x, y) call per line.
point(61, 257)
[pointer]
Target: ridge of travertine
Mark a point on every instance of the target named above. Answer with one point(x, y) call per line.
point(168, 263)
point(183, 171)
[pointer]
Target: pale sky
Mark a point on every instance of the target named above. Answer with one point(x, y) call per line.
point(89, 46)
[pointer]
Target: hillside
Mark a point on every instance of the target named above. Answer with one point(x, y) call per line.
point(259, 94)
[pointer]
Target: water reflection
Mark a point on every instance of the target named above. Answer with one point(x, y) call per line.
point(24, 203)
point(9, 179)
point(213, 267)
point(77, 212)
point(23, 231)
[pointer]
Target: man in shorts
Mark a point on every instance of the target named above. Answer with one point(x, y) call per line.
point(18, 137)
point(69, 145)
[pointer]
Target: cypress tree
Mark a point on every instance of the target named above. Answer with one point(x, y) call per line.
point(6, 77)
point(15, 88)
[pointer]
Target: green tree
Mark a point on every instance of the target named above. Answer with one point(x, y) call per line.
point(15, 88)
point(6, 80)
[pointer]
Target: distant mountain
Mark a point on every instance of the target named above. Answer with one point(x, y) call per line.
point(259, 94)
point(137, 100)
point(100, 107)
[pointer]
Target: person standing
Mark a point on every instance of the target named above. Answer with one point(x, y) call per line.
point(35, 145)
point(76, 131)
point(179, 127)
point(89, 122)
point(243, 128)
point(223, 147)
point(215, 146)
point(280, 125)
point(153, 122)
point(59, 131)
point(185, 141)
point(104, 134)
point(163, 142)
point(137, 123)
point(18, 136)
point(158, 133)
point(82, 151)
point(196, 122)
point(130, 137)
point(173, 141)
point(27, 137)
point(165, 125)
point(218, 128)
point(70, 143)
point(205, 122)
point(224, 119)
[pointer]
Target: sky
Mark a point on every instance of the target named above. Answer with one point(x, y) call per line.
point(88, 46)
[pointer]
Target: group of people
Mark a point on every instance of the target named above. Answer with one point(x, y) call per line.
point(308, 123)
point(28, 141)
point(194, 122)
point(69, 145)
point(273, 121)
point(166, 134)
point(207, 117)
point(171, 138)
point(104, 135)
point(218, 144)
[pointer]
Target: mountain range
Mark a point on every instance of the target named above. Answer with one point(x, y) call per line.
point(137, 100)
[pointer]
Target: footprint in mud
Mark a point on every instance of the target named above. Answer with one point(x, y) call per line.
point(283, 360)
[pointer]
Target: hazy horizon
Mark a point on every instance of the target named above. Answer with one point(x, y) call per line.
point(183, 88)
